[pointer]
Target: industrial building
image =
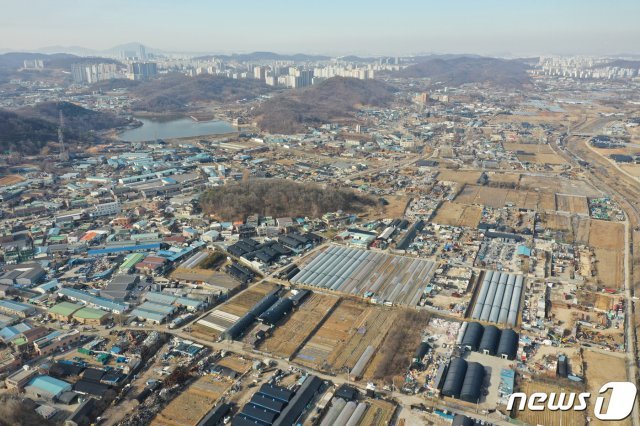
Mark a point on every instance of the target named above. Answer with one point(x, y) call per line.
point(498, 299)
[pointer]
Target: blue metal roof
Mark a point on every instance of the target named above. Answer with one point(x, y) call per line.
point(50, 385)
point(124, 249)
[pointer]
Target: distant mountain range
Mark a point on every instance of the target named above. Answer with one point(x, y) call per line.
point(459, 70)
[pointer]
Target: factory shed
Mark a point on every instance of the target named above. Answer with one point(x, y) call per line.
point(489, 342)
point(242, 420)
point(461, 420)
point(275, 313)
point(455, 378)
point(47, 387)
point(216, 415)
point(260, 414)
point(276, 392)
point(473, 336)
point(300, 401)
point(508, 344)
point(473, 381)
point(86, 387)
point(267, 403)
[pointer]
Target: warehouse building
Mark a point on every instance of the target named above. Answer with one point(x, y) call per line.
point(296, 407)
point(277, 312)
point(490, 340)
point(473, 336)
point(455, 378)
point(473, 381)
point(19, 309)
point(91, 316)
point(64, 311)
point(508, 344)
point(47, 387)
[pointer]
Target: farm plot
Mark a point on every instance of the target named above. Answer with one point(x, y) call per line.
point(556, 222)
point(379, 412)
point(194, 403)
point(395, 353)
point(456, 214)
point(547, 417)
point(500, 197)
point(344, 336)
point(534, 153)
point(610, 268)
point(387, 278)
point(598, 376)
point(560, 185)
point(229, 312)
point(461, 176)
point(573, 204)
point(288, 337)
point(606, 235)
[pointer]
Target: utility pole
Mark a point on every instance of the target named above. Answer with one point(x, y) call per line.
point(64, 154)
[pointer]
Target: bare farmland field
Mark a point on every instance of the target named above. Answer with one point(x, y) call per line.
point(573, 204)
point(397, 348)
point(606, 235)
point(456, 214)
point(610, 268)
point(289, 336)
point(546, 417)
point(379, 413)
point(344, 336)
point(598, 376)
point(499, 197)
point(193, 404)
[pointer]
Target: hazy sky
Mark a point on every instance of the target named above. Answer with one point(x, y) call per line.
point(499, 27)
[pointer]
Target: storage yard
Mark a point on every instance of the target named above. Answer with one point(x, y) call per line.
point(383, 277)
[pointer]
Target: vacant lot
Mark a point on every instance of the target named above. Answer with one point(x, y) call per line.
point(190, 406)
point(288, 337)
point(456, 214)
point(547, 417)
point(606, 235)
point(460, 176)
point(610, 268)
point(500, 197)
point(534, 153)
point(558, 185)
point(597, 376)
point(573, 204)
point(397, 348)
point(556, 222)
